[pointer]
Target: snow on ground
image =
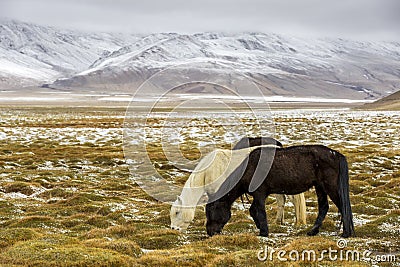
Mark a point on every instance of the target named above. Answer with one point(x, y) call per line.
point(341, 129)
point(65, 136)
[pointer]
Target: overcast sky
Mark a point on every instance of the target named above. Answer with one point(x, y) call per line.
point(355, 19)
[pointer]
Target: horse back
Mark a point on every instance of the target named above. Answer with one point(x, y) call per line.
point(296, 169)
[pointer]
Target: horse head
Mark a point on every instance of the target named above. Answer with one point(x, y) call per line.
point(181, 216)
point(218, 214)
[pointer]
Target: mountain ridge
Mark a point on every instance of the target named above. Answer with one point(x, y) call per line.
point(48, 53)
point(278, 64)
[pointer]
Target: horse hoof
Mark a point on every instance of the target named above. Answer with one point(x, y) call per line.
point(264, 234)
point(312, 232)
point(345, 235)
point(210, 234)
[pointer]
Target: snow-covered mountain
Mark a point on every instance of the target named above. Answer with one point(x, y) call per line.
point(279, 65)
point(32, 55)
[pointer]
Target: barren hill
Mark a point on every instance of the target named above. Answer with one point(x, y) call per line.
point(391, 102)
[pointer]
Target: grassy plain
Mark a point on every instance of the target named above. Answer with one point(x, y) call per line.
point(67, 197)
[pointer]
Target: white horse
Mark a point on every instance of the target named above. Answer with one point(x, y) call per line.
point(207, 178)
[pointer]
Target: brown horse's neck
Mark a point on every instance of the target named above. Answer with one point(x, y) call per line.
point(234, 194)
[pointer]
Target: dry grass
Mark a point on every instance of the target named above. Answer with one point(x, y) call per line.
point(67, 197)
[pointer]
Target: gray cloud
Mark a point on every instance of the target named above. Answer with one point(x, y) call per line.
point(356, 19)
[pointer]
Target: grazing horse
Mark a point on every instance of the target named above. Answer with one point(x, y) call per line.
point(293, 170)
point(207, 177)
point(298, 200)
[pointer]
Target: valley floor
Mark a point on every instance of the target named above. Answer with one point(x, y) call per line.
point(68, 196)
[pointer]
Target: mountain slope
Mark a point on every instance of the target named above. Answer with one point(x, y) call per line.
point(279, 65)
point(31, 54)
point(390, 102)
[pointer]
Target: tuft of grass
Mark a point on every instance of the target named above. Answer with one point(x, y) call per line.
point(42, 253)
point(180, 257)
point(161, 238)
point(245, 258)
point(56, 193)
point(368, 209)
point(99, 222)
point(358, 187)
point(233, 242)
point(34, 222)
point(20, 187)
point(123, 246)
point(9, 236)
point(120, 231)
point(385, 203)
point(240, 226)
point(317, 243)
point(385, 226)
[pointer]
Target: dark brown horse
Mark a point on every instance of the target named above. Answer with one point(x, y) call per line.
point(293, 170)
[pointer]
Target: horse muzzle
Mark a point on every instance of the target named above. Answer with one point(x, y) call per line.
point(180, 229)
point(213, 231)
point(175, 228)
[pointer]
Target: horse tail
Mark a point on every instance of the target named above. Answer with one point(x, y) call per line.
point(344, 197)
point(299, 202)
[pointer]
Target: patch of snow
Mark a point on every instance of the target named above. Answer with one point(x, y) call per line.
point(391, 228)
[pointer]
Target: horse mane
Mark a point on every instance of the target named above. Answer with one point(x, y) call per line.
point(196, 178)
point(208, 175)
point(194, 187)
point(263, 154)
point(230, 181)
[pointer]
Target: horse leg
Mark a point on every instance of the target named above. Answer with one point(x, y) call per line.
point(253, 214)
point(323, 207)
point(280, 202)
point(336, 200)
point(257, 212)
